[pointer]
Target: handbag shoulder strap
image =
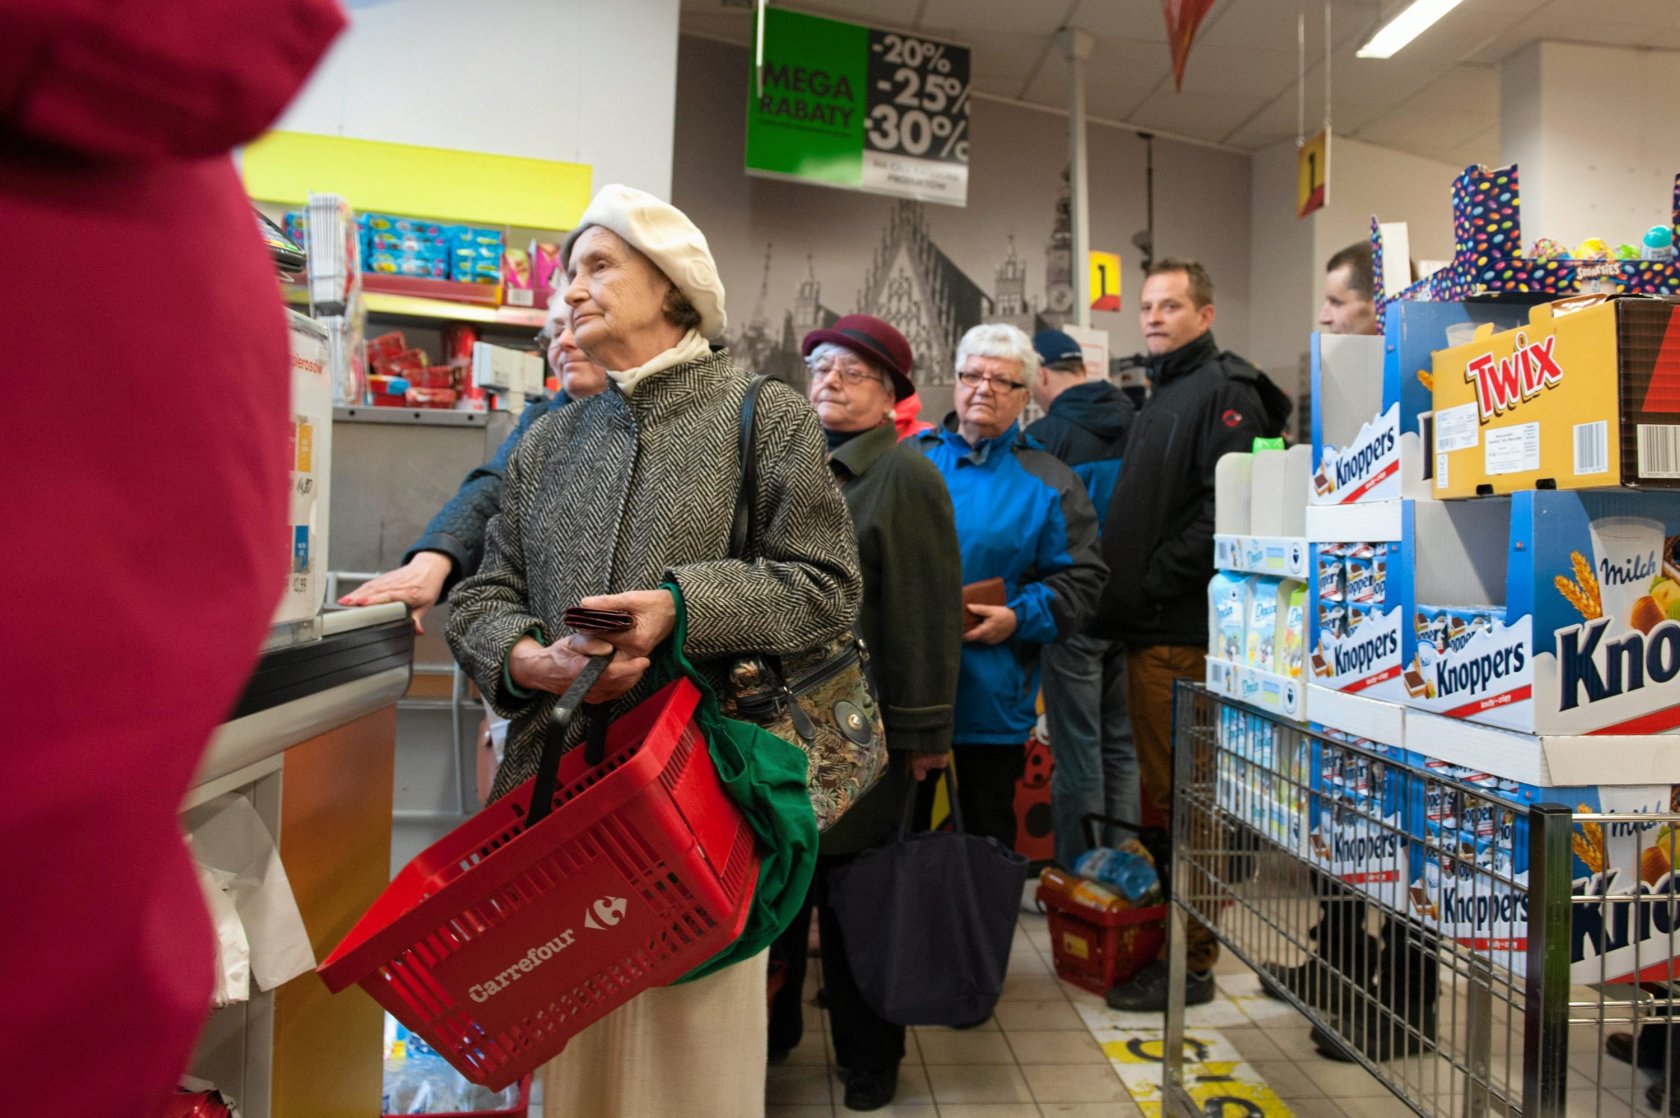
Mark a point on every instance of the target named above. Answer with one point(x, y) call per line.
point(741, 530)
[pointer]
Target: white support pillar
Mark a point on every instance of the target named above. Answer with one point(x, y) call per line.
point(1077, 44)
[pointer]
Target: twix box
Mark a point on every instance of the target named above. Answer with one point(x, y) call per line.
point(1586, 394)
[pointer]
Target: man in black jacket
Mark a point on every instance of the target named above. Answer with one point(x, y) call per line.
point(1159, 542)
point(1085, 424)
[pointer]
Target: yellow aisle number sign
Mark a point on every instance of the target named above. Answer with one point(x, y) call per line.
point(1105, 281)
point(1312, 174)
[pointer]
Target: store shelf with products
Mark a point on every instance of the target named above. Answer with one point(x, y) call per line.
point(1282, 695)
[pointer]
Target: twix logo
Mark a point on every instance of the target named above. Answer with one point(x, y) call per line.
point(1504, 382)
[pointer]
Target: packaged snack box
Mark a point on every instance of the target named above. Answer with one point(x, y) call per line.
point(1584, 642)
point(1361, 644)
point(1294, 631)
point(1583, 395)
point(1458, 880)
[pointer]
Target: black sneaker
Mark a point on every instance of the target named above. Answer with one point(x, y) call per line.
point(1275, 978)
point(1147, 991)
point(870, 1090)
point(1378, 1033)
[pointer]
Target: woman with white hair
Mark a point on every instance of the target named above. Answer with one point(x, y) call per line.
point(608, 501)
point(1022, 517)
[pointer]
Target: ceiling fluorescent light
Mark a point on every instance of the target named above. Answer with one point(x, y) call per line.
point(1414, 20)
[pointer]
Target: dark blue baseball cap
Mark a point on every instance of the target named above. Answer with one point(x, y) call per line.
point(1055, 347)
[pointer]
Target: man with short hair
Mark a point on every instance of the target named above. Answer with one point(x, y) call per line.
point(1085, 423)
point(1348, 304)
point(1205, 404)
point(1022, 517)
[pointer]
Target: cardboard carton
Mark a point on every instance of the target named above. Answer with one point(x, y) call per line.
point(1586, 394)
point(1371, 399)
point(1586, 643)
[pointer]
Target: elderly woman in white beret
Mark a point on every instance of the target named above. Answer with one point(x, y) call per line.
point(606, 500)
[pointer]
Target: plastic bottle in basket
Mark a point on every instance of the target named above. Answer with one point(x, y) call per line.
point(1130, 873)
point(1079, 891)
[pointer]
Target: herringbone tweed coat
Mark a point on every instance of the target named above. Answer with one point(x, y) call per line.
point(619, 493)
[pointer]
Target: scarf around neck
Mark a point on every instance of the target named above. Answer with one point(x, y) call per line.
point(692, 348)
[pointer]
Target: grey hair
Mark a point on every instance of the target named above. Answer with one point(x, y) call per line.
point(998, 339)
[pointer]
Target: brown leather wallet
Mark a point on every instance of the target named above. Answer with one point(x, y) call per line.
point(986, 592)
point(597, 620)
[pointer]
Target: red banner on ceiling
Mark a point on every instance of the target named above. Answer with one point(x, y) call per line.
point(1183, 18)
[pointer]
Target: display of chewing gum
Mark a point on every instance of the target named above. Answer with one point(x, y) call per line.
point(1580, 396)
point(1228, 621)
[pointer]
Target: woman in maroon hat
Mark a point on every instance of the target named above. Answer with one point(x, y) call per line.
point(911, 619)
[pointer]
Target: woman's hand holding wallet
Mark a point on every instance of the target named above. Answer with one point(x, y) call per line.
point(987, 618)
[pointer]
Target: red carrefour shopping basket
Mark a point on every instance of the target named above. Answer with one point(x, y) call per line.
point(499, 943)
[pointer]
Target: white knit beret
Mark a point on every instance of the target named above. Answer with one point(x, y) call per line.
point(665, 235)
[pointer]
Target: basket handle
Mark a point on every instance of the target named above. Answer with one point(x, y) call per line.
point(565, 708)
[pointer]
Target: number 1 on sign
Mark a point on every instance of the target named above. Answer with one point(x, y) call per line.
point(1312, 179)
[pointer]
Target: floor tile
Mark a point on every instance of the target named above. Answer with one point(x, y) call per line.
point(1345, 1081)
point(1122, 1108)
point(968, 1047)
point(1316, 1106)
point(913, 1088)
point(952, 1083)
point(1254, 1045)
point(1030, 987)
point(1067, 1046)
point(777, 1111)
point(989, 1110)
point(1389, 1107)
point(1074, 1083)
point(896, 1109)
point(797, 1085)
point(1287, 1079)
point(1054, 1013)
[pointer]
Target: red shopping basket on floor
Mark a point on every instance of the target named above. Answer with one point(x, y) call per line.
point(500, 943)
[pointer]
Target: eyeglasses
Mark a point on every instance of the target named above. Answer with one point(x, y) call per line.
point(544, 340)
point(852, 373)
point(971, 379)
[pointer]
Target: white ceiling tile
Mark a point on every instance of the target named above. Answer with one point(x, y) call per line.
point(1039, 19)
point(1462, 87)
point(1440, 130)
point(1119, 19)
point(1200, 115)
point(1236, 72)
point(711, 24)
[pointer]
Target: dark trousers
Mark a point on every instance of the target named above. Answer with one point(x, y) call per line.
point(863, 1042)
point(986, 779)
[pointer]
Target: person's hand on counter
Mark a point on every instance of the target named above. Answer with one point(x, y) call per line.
point(418, 584)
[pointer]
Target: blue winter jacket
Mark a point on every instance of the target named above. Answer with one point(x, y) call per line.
point(1024, 517)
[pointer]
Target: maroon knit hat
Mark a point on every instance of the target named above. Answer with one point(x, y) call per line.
point(869, 337)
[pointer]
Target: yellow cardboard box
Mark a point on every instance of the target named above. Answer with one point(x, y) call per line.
point(1585, 396)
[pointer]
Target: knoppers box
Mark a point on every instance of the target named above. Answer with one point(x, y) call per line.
point(1586, 394)
point(1371, 396)
point(1590, 641)
point(1474, 844)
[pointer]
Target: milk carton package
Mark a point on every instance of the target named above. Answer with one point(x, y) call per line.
point(1228, 605)
point(1263, 613)
point(1292, 634)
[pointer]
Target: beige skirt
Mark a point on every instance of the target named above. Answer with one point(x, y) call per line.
point(690, 1051)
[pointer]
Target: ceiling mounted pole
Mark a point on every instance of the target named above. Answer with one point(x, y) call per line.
point(1077, 44)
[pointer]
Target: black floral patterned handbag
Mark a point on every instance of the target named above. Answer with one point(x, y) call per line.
point(823, 699)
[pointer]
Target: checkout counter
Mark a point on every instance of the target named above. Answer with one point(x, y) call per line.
point(311, 744)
